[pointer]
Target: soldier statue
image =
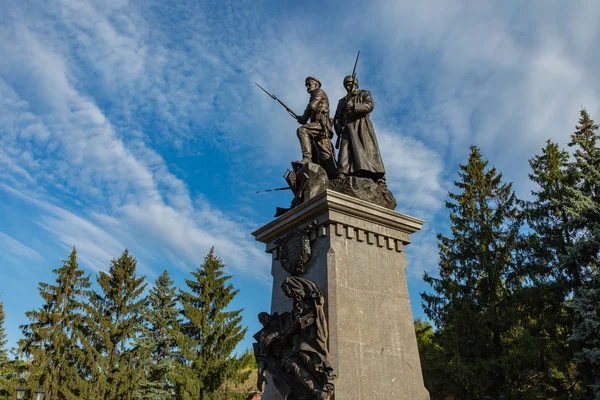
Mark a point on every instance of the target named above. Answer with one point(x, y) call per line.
point(359, 151)
point(359, 170)
point(316, 131)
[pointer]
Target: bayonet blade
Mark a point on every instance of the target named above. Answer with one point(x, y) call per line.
point(264, 90)
point(355, 63)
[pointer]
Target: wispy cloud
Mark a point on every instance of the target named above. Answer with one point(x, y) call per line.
point(137, 124)
point(154, 232)
point(98, 158)
point(14, 247)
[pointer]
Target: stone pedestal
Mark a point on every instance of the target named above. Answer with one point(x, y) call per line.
point(358, 262)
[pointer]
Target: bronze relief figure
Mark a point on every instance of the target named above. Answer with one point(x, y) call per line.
point(293, 347)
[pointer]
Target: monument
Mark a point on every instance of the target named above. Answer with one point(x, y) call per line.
point(340, 325)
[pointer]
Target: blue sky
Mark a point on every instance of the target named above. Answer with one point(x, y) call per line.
point(136, 124)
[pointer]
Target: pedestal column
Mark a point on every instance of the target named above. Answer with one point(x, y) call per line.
point(358, 261)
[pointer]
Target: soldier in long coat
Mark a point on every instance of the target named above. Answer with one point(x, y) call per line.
point(316, 131)
point(359, 153)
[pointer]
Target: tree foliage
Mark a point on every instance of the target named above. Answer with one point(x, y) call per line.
point(584, 209)
point(544, 318)
point(55, 338)
point(434, 361)
point(471, 300)
point(210, 333)
point(523, 321)
point(116, 313)
point(3, 341)
point(113, 343)
point(5, 377)
point(157, 340)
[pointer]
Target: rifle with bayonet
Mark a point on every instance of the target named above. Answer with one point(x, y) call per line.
point(345, 115)
point(289, 110)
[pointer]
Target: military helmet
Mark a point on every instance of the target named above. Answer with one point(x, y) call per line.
point(350, 78)
point(310, 78)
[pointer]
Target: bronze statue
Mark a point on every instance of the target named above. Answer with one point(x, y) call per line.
point(359, 171)
point(294, 347)
point(268, 349)
point(316, 131)
point(359, 151)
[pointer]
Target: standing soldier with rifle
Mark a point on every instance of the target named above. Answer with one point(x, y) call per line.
point(359, 151)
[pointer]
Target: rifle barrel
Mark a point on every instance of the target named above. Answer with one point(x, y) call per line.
point(339, 138)
point(355, 63)
point(273, 190)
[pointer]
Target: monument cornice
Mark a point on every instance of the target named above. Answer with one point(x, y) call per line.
point(333, 207)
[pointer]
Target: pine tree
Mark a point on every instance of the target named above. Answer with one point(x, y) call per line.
point(584, 209)
point(209, 334)
point(158, 340)
point(55, 339)
point(471, 303)
point(116, 312)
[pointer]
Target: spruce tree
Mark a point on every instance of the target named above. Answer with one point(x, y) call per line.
point(116, 311)
point(547, 217)
point(584, 206)
point(547, 359)
point(584, 209)
point(471, 303)
point(11, 371)
point(3, 341)
point(4, 365)
point(12, 375)
point(586, 305)
point(209, 334)
point(157, 340)
point(55, 339)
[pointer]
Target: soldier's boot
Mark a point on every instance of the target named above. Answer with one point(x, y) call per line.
point(305, 146)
